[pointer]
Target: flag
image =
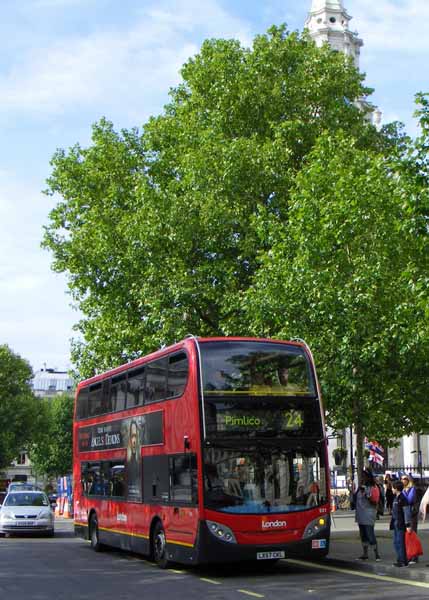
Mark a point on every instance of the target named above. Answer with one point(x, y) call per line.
point(376, 452)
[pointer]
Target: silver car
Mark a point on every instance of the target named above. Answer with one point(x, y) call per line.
point(28, 512)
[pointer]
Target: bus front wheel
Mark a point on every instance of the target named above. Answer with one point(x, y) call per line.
point(94, 537)
point(159, 546)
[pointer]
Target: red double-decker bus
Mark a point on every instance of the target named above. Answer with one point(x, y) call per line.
point(211, 450)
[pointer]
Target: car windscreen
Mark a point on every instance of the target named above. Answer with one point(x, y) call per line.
point(26, 499)
point(21, 487)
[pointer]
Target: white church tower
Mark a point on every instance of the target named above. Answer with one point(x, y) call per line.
point(328, 21)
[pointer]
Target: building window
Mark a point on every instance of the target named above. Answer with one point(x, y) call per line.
point(21, 459)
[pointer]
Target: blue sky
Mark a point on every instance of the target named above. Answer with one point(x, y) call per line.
point(66, 63)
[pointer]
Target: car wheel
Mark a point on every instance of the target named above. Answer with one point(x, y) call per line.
point(93, 533)
point(159, 546)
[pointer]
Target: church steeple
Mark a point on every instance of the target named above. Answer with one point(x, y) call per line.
point(328, 21)
point(320, 4)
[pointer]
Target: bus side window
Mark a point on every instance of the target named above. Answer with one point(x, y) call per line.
point(84, 477)
point(92, 480)
point(156, 380)
point(106, 403)
point(117, 474)
point(155, 479)
point(136, 387)
point(95, 401)
point(82, 404)
point(183, 478)
point(118, 392)
point(177, 374)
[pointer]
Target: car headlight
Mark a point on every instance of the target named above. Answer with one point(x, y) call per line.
point(45, 514)
point(221, 532)
point(6, 516)
point(315, 526)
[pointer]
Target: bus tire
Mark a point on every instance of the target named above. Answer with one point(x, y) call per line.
point(159, 546)
point(94, 537)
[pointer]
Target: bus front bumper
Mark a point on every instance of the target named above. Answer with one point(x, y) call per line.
point(209, 549)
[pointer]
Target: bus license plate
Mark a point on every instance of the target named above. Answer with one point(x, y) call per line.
point(270, 555)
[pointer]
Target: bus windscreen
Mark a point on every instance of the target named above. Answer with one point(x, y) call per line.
point(258, 389)
point(255, 368)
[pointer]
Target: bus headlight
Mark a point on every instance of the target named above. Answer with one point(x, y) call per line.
point(315, 526)
point(221, 532)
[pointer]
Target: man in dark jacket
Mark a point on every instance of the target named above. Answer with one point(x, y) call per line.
point(400, 522)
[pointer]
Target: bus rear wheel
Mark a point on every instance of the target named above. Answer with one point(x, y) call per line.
point(159, 546)
point(94, 537)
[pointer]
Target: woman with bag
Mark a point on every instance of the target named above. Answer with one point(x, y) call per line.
point(410, 494)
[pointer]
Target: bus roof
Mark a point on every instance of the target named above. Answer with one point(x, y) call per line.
point(178, 346)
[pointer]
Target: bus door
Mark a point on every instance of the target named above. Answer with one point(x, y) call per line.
point(183, 497)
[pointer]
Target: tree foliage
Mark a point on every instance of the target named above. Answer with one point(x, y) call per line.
point(349, 273)
point(260, 201)
point(51, 451)
point(160, 232)
point(18, 405)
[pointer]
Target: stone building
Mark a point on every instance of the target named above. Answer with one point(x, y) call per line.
point(46, 383)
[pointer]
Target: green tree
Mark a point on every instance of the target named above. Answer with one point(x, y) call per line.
point(349, 274)
point(51, 452)
point(160, 232)
point(18, 405)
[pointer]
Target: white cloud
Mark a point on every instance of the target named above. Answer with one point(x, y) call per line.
point(35, 315)
point(126, 70)
point(389, 25)
point(116, 67)
point(42, 4)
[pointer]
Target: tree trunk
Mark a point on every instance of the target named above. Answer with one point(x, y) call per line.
point(359, 449)
point(358, 427)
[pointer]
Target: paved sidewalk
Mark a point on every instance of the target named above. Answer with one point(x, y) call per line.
point(345, 547)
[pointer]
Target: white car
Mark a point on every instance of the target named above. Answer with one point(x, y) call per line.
point(28, 512)
point(20, 486)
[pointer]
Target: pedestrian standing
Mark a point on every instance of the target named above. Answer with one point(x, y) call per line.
point(380, 505)
point(366, 500)
point(400, 522)
point(424, 503)
point(410, 494)
point(388, 494)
